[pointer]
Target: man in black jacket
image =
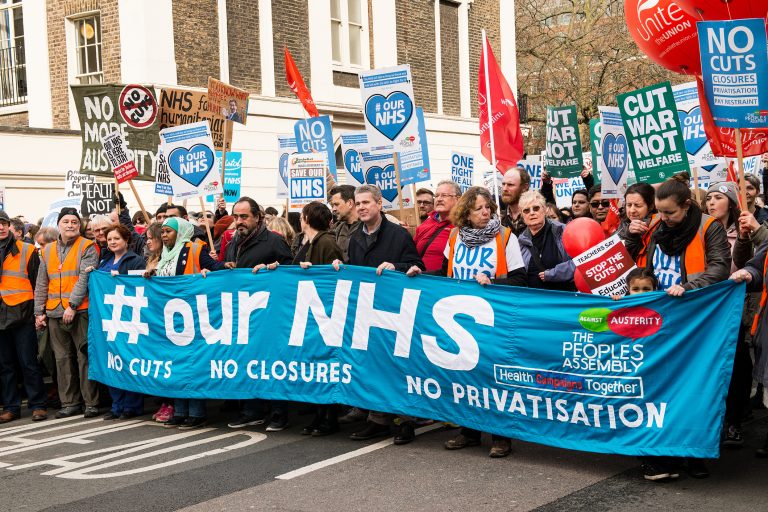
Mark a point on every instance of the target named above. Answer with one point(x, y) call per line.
point(386, 246)
point(256, 247)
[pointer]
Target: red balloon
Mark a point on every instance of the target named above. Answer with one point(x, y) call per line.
point(665, 33)
point(581, 234)
point(581, 284)
point(708, 10)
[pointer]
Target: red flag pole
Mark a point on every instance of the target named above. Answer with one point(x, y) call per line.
point(490, 117)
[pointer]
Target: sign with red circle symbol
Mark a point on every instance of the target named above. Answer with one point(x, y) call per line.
point(138, 106)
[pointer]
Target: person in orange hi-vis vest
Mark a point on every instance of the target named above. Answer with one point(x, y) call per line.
point(61, 302)
point(19, 262)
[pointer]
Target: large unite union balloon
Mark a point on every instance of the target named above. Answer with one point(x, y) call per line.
point(710, 10)
point(665, 33)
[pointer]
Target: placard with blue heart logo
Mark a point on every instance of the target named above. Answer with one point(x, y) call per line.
point(615, 153)
point(284, 168)
point(193, 164)
point(385, 179)
point(390, 114)
point(354, 166)
point(693, 130)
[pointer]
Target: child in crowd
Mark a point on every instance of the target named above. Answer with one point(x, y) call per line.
point(640, 280)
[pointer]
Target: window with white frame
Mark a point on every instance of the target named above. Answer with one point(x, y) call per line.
point(88, 50)
point(349, 34)
point(13, 66)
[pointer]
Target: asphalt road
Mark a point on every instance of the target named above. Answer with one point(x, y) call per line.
point(95, 465)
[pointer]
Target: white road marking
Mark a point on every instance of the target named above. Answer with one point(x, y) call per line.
point(349, 455)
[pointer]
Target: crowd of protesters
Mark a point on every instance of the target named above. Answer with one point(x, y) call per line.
point(678, 243)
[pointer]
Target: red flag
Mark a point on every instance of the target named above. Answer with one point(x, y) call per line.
point(723, 140)
point(612, 220)
point(507, 137)
point(296, 83)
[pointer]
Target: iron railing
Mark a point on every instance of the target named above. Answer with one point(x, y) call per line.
point(13, 76)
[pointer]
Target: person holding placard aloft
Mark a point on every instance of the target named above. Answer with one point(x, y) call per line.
point(479, 231)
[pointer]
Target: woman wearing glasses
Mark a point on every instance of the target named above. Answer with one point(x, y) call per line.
point(541, 244)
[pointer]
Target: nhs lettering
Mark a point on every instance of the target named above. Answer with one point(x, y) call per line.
point(315, 135)
point(470, 261)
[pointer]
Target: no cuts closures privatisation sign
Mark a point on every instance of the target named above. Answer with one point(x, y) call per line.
point(734, 66)
point(564, 156)
point(652, 128)
point(315, 134)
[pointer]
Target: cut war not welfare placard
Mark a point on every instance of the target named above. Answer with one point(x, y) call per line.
point(563, 153)
point(652, 128)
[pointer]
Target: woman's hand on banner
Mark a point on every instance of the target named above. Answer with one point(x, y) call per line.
point(204, 272)
point(149, 273)
point(675, 290)
point(741, 275)
point(384, 266)
point(413, 271)
point(542, 276)
point(483, 279)
point(305, 264)
point(337, 264)
point(115, 273)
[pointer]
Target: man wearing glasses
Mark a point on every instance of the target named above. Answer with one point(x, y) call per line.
point(598, 206)
point(432, 235)
point(425, 200)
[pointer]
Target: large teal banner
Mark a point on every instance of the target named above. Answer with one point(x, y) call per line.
point(646, 375)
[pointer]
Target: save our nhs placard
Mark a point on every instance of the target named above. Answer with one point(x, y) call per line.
point(315, 134)
point(389, 109)
point(192, 163)
point(286, 147)
point(734, 60)
point(614, 376)
point(306, 183)
point(613, 161)
point(462, 169)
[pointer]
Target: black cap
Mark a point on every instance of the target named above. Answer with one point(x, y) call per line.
point(68, 211)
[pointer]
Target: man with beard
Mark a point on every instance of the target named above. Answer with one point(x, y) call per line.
point(256, 247)
point(515, 182)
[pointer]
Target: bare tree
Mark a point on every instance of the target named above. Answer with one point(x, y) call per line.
point(577, 51)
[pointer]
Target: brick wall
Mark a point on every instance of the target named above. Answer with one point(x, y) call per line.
point(244, 50)
point(60, 10)
point(483, 14)
point(290, 27)
point(416, 46)
point(196, 41)
point(15, 120)
point(449, 49)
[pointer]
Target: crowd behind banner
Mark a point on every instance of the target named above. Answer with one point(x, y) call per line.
point(680, 239)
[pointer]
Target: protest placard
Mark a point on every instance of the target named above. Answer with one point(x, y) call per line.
point(2, 198)
point(389, 109)
point(462, 169)
point(414, 163)
point(564, 155)
point(193, 166)
point(227, 101)
point(118, 156)
point(605, 267)
point(734, 60)
point(352, 145)
point(233, 176)
point(286, 148)
point(315, 134)
point(132, 109)
point(182, 106)
point(595, 134)
point(73, 182)
point(163, 185)
point(98, 199)
point(306, 172)
point(652, 128)
point(379, 170)
point(614, 154)
point(695, 138)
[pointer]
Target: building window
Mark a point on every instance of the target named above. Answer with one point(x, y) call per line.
point(13, 66)
point(349, 34)
point(88, 50)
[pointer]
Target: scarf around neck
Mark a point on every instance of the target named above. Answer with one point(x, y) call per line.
point(673, 241)
point(169, 257)
point(474, 237)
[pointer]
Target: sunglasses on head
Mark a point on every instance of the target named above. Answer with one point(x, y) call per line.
point(605, 203)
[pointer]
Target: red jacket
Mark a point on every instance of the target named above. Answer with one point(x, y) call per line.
point(432, 255)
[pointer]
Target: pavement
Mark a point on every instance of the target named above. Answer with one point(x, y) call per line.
point(76, 464)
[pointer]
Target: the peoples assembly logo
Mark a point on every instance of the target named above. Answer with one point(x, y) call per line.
point(633, 322)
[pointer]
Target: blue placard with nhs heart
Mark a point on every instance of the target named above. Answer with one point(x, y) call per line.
point(192, 163)
point(389, 108)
